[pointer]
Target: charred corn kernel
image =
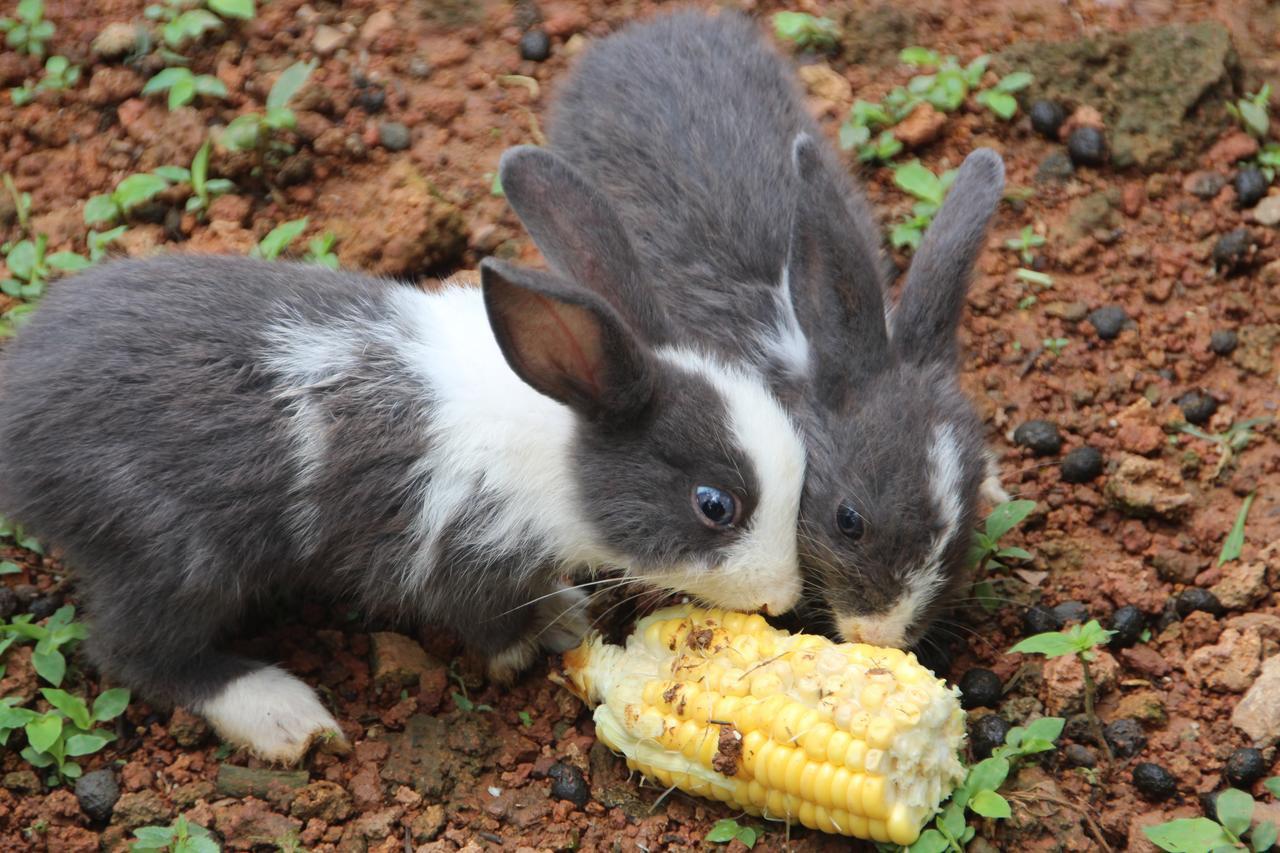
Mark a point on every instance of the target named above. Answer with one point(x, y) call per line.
point(843, 738)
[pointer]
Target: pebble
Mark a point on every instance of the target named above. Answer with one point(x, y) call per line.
point(1197, 407)
point(1128, 623)
point(419, 68)
point(1071, 611)
point(1038, 619)
point(1232, 248)
point(327, 39)
point(1251, 187)
point(1223, 341)
point(1087, 146)
point(1245, 766)
point(1042, 437)
point(1268, 211)
point(1125, 738)
point(1205, 185)
point(535, 46)
point(1153, 781)
point(1081, 465)
point(980, 688)
point(8, 602)
point(1108, 321)
point(1257, 714)
point(567, 784)
point(985, 734)
point(371, 99)
point(1078, 755)
point(1242, 585)
point(393, 135)
point(1047, 118)
point(117, 40)
point(1056, 167)
point(45, 606)
point(1194, 598)
point(98, 792)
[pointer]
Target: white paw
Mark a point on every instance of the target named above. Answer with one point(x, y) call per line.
point(564, 620)
point(992, 491)
point(271, 712)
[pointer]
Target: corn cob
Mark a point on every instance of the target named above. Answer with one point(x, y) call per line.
point(844, 738)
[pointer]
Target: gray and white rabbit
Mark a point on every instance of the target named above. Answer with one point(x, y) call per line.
point(196, 432)
point(697, 132)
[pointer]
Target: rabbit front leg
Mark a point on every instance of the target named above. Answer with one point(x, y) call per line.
point(559, 623)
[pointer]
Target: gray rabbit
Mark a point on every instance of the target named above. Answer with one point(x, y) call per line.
point(196, 432)
point(697, 132)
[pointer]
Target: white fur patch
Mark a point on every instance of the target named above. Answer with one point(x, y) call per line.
point(271, 712)
point(991, 490)
point(785, 343)
point(761, 569)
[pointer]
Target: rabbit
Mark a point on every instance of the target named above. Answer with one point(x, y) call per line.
point(195, 433)
point(697, 132)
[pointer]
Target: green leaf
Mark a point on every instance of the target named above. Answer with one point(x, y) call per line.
point(71, 705)
point(288, 83)
point(951, 820)
point(853, 135)
point(36, 758)
point(182, 93)
point(1187, 835)
point(1046, 728)
point(137, 189)
point(1015, 554)
point(49, 665)
point(1003, 105)
point(243, 132)
point(919, 56)
point(87, 744)
point(748, 836)
point(1051, 644)
point(948, 91)
point(1235, 810)
point(280, 118)
point(8, 568)
point(1234, 542)
point(43, 733)
point(160, 836)
point(724, 831)
point(218, 186)
point(100, 209)
point(110, 704)
point(203, 844)
point(279, 239)
point(173, 174)
point(1007, 516)
point(1263, 837)
point(1255, 118)
point(1015, 82)
point(917, 180)
point(1273, 785)
point(463, 703)
point(22, 259)
point(165, 79)
point(68, 261)
point(242, 9)
point(930, 841)
point(200, 169)
point(988, 774)
point(210, 86)
point(990, 804)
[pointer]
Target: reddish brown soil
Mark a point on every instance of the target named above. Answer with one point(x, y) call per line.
point(424, 775)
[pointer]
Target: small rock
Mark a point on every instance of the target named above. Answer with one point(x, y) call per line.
point(1072, 312)
point(398, 661)
point(1146, 661)
point(376, 24)
point(923, 125)
point(1108, 320)
point(45, 606)
point(1040, 436)
point(22, 782)
point(1145, 488)
point(1194, 598)
point(8, 602)
point(327, 40)
point(426, 826)
point(1197, 407)
point(1223, 341)
point(1205, 185)
point(1245, 766)
point(249, 823)
point(1128, 623)
point(1081, 465)
point(1039, 619)
point(394, 136)
point(535, 46)
point(567, 784)
point(186, 728)
point(1258, 713)
point(823, 81)
point(1231, 149)
point(1251, 186)
point(1047, 118)
point(1125, 738)
point(1064, 681)
point(98, 792)
point(985, 734)
point(1071, 611)
point(117, 40)
point(1055, 167)
point(1242, 585)
point(371, 99)
point(1145, 706)
point(1078, 755)
point(1232, 249)
point(1087, 146)
point(325, 800)
point(140, 808)
point(1229, 666)
point(419, 68)
point(980, 688)
point(1268, 211)
point(1153, 781)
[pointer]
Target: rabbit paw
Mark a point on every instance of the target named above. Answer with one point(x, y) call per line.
point(561, 624)
point(272, 713)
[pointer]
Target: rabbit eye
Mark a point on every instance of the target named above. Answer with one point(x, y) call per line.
point(850, 522)
point(716, 508)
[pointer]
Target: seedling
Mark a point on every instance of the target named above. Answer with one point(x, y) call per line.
point(986, 551)
point(999, 98)
point(806, 32)
point(1026, 240)
point(30, 268)
point(979, 793)
point(252, 131)
point(1252, 112)
point(10, 530)
point(68, 731)
point(1231, 441)
point(1081, 641)
point(1268, 160)
point(526, 719)
point(21, 203)
point(463, 699)
point(57, 632)
point(190, 20)
point(203, 189)
point(1228, 832)
point(947, 87)
point(857, 130)
point(727, 829)
point(278, 239)
point(183, 86)
point(98, 241)
point(59, 74)
point(929, 190)
point(30, 32)
point(1055, 345)
point(320, 251)
point(1039, 279)
point(181, 837)
point(109, 208)
point(1234, 543)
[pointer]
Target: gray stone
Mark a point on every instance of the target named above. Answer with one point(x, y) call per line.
point(1258, 713)
point(1268, 211)
point(98, 792)
point(394, 136)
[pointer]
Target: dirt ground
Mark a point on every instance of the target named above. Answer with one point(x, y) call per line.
point(398, 135)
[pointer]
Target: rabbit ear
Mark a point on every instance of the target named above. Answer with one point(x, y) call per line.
point(834, 276)
point(924, 324)
point(567, 343)
point(578, 232)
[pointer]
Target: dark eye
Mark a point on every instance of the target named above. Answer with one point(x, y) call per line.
point(716, 508)
point(850, 522)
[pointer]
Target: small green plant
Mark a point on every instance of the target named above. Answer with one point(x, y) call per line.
point(30, 269)
point(10, 530)
point(180, 837)
point(68, 731)
point(1253, 113)
point(929, 190)
point(1081, 641)
point(59, 74)
point(858, 131)
point(1042, 280)
point(999, 98)
point(986, 552)
point(98, 241)
point(183, 86)
point(461, 697)
point(1055, 345)
point(1268, 160)
point(1231, 441)
point(526, 719)
point(21, 203)
point(109, 208)
point(58, 632)
point(946, 88)
point(979, 793)
point(278, 239)
point(1234, 543)
point(252, 131)
point(190, 20)
point(203, 188)
point(1228, 832)
point(1026, 240)
point(727, 829)
point(320, 251)
point(806, 32)
point(30, 32)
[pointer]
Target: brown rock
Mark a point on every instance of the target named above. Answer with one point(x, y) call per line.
point(1145, 660)
point(249, 823)
point(824, 82)
point(923, 125)
point(377, 24)
point(327, 801)
point(1200, 629)
point(1242, 585)
point(221, 237)
point(1227, 151)
point(1144, 487)
point(113, 84)
point(1259, 349)
point(1064, 681)
point(426, 826)
point(1258, 713)
point(1229, 666)
point(328, 39)
point(140, 808)
point(1139, 431)
point(1145, 706)
point(1177, 567)
point(186, 728)
point(564, 21)
point(1132, 198)
point(231, 208)
point(118, 39)
point(1267, 625)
